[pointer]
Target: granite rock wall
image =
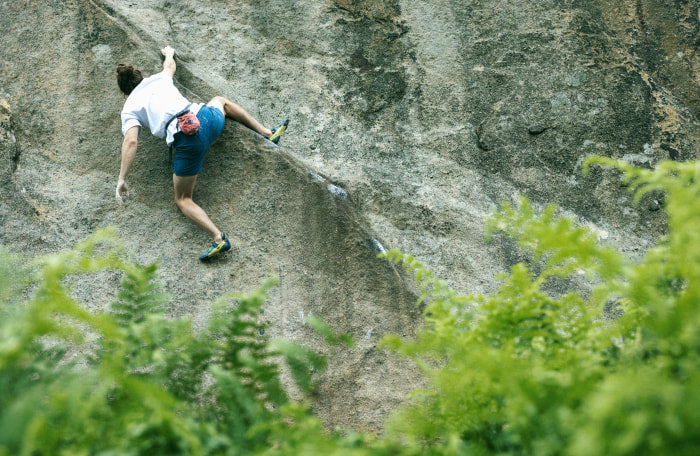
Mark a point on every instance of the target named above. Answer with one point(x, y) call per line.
point(410, 122)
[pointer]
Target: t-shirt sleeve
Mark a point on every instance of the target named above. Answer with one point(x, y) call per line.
point(162, 75)
point(129, 120)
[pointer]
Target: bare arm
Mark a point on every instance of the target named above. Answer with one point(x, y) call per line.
point(169, 62)
point(129, 145)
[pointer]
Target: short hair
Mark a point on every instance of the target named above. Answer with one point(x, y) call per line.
point(128, 78)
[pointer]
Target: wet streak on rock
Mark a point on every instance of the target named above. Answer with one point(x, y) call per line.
point(645, 47)
point(371, 74)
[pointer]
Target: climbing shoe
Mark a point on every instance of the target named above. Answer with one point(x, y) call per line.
point(278, 130)
point(216, 248)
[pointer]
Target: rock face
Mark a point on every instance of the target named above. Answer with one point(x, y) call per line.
point(410, 122)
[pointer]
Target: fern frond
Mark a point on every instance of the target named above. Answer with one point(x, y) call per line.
point(565, 248)
point(139, 295)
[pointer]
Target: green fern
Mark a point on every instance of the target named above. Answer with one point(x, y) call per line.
point(139, 295)
point(244, 366)
point(525, 372)
point(519, 371)
point(133, 381)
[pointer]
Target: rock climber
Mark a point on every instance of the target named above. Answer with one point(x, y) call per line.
point(156, 103)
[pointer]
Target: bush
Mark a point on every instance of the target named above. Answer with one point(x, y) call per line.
point(129, 381)
point(526, 372)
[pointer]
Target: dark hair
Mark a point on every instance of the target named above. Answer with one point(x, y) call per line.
point(128, 77)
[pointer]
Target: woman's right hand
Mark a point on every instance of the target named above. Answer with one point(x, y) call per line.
point(122, 188)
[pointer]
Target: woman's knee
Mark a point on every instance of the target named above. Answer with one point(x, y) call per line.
point(180, 200)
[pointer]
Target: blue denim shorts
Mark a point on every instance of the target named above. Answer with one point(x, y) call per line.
point(189, 150)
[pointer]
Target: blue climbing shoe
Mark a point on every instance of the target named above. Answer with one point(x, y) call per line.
point(278, 130)
point(216, 248)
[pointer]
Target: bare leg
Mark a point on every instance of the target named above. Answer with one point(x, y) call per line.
point(237, 113)
point(184, 186)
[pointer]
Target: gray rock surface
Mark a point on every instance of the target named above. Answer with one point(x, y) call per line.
point(410, 122)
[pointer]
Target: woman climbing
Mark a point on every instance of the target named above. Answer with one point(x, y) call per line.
point(190, 128)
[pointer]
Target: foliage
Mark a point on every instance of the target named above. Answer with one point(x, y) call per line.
point(525, 372)
point(129, 381)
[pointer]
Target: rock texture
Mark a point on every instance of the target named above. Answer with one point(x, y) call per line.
point(410, 122)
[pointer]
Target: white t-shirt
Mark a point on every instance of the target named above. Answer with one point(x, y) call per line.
point(153, 103)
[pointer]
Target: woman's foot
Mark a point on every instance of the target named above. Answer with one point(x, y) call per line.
point(215, 248)
point(278, 130)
